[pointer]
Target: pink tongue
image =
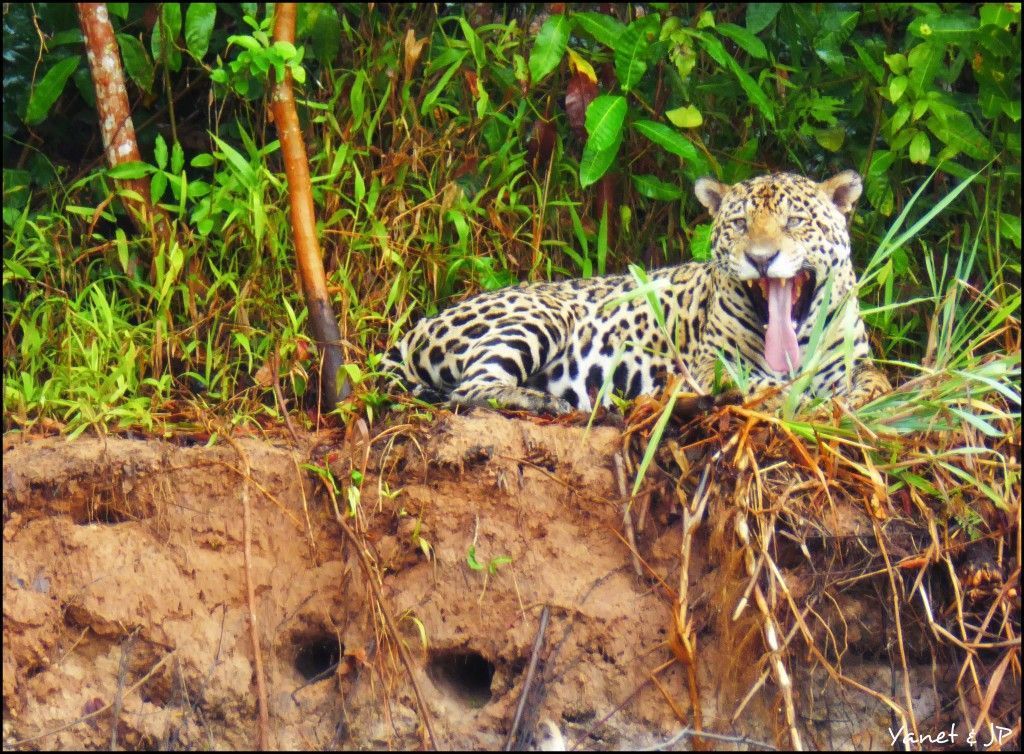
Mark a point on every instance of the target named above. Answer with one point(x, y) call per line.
point(780, 338)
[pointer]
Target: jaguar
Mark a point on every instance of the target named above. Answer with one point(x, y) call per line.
point(780, 259)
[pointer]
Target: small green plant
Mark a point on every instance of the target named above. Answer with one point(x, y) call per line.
point(490, 568)
point(246, 75)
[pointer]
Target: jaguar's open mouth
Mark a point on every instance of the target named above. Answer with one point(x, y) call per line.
point(781, 305)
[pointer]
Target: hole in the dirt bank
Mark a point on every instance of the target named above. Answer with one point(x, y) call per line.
point(109, 514)
point(317, 656)
point(463, 675)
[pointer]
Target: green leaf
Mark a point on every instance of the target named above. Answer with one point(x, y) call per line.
point(897, 62)
point(473, 40)
point(744, 39)
point(326, 33)
point(356, 97)
point(595, 162)
point(900, 117)
point(160, 152)
point(604, 29)
point(199, 21)
point(172, 19)
point(428, 101)
point(897, 85)
point(604, 119)
point(549, 47)
point(920, 148)
point(837, 26)
point(177, 159)
point(998, 14)
point(136, 62)
point(924, 61)
point(49, 88)
point(945, 28)
point(830, 138)
point(655, 188)
point(1009, 226)
point(754, 93)
point(872, 67)
point(687, 116)
point(958, 131)
point(157, 186)
point(471, 560)
point(677, 144)
point(130, 170)
point(759, 15)
point(631, 51)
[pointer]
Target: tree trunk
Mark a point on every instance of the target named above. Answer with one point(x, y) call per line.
point(307, 248)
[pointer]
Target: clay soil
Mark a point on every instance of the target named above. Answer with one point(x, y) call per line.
point(126, 621)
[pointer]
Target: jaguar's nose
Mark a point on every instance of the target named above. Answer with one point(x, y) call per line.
point(761, 262)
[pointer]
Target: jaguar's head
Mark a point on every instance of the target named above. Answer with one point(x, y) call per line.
point(778, 238)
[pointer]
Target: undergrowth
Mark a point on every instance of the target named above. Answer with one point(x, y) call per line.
point(449, 157)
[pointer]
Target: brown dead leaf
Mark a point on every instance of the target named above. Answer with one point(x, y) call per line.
point(413, 50)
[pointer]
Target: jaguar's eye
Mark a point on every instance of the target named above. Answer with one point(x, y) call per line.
point(794, 222)
point(739, 223)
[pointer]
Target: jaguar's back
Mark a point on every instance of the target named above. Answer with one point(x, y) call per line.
point(549, 347)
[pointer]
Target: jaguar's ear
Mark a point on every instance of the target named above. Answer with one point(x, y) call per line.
point(843, 189)
point(709, 193)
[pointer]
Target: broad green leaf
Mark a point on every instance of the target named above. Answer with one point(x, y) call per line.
point(169, 25)
point(1009, 226)
point(897, 86)
point(745, 39)
point(687, 116)
point(996, 41)
point(760, 15)
point(199, 21)
point(897, 62)
point(655, 188)
point(631, 51)
point(605, 116)
point(326, 33)
point(136, 62)
point(668, 139)
point(999, 14)
point(49, 88)
point(603, 28)
point(595, 162)
point(837, 26)
point(958, 131)
point(899, 118)
point(945, 28)
point(924, 61)
point(172, 19)
point(830, 138)
point(920, 148)
point(549, 47)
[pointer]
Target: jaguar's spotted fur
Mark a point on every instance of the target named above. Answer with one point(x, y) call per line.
point(548, 347)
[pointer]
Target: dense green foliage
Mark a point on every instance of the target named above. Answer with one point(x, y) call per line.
point(458, 152)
